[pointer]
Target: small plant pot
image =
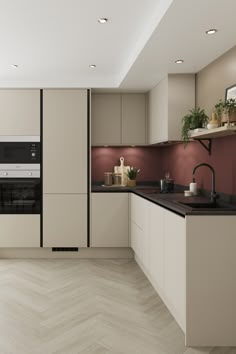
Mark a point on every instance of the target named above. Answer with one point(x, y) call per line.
point(228, 117)
point(131, 182)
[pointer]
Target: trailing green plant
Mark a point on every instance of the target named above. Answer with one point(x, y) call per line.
point(133, 172)
point(227, 107)
point(197, 118)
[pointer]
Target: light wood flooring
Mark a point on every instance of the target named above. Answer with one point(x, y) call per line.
point(88, 306)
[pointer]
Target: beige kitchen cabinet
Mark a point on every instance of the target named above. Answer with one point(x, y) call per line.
point(20, 112)
point(106, 119)
point(109, 220)
point(175, 264)
point(65, 154)
point(65, 148)
point(139, 228)
point(168, 102)
point(65, 220)
point(19, 230)
point(133, 119)
point(118, 119)
point(156, 243)
point(158, 239)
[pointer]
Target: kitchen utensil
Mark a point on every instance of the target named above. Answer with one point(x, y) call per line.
point(123, 170)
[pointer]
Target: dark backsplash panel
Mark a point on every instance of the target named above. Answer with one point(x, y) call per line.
point(103, 159)
point(155, 161)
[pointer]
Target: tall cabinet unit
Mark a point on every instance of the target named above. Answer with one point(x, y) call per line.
point(65, 168)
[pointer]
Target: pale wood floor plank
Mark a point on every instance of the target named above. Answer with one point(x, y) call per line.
point(88, 306)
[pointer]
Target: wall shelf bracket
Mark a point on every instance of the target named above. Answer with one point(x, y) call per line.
point(206, 143)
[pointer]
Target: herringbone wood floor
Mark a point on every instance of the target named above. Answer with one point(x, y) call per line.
point(84, 306)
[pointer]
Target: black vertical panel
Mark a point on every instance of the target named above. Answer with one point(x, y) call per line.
point(41, 166)
point(88, 168)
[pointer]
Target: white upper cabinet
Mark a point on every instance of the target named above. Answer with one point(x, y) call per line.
point(118, 119)
point(19, 112)
point(168, 102)
point(65, 141)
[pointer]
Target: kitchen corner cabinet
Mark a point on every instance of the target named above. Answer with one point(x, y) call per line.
point(168, 102)
point(118, 119)
point(109, 220)
point(19, 112)
point(64, 168)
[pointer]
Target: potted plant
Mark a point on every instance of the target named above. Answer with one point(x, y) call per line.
point(197, 118)
point(226, 110)
point(132, 175)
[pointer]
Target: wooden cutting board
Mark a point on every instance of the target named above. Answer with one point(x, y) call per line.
point(123, 170)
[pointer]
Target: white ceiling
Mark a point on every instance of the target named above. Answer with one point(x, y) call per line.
point(55, 41)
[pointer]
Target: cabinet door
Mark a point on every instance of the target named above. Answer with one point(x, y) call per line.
point(133, 122)
point(156, 243)
point(20, 230)
point(65, 141)
point(110, 226)
point(158, 113)
point(139, 228)
point(175, 264)
point(106, 119)
point(19, 112)
point(65, 220)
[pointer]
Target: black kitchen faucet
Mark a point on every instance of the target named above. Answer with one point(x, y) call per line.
point(213, 192)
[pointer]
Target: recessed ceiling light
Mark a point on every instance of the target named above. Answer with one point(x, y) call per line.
point(211, 31)
point(92, 66)
point(14, 66)
point(103, 20)
point(179, 61)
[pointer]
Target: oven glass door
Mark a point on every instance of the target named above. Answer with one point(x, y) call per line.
point(20, 196)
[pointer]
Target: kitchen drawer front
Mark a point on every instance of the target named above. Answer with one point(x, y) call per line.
point(137, 211)
point(19, 230)
point(65, 220)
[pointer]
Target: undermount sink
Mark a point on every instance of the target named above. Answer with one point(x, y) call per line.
point(208, 205)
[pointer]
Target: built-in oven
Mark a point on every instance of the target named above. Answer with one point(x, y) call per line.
point(20, 185)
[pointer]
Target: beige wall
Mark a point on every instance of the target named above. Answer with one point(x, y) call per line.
point(212, 81)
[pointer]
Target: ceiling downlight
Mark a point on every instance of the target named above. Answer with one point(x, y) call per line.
point(211, 31)
point(102, 20)
point(179, 61)
point(92, 66)
point(14, 66)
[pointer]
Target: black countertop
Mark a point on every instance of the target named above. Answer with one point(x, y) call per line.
point(170, 201)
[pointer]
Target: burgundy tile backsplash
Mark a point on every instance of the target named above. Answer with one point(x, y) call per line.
point(180, 163)
point(155, 161)
point(147, 159)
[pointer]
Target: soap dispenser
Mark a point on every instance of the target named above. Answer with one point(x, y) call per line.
point(193, 187)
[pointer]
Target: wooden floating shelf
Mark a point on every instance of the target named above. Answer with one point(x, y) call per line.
point(214, 133)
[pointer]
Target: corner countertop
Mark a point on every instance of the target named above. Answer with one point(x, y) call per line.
point(170, 201)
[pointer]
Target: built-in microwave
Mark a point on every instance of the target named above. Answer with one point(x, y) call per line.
point(19, 150)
